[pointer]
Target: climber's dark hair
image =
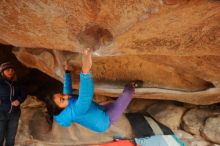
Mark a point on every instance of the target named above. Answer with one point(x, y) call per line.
point(52, 108)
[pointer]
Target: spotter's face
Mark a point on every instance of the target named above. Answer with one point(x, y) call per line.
point(9, 73)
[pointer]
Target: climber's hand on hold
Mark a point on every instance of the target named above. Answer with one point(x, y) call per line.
point(86, 60)
point(67, 67)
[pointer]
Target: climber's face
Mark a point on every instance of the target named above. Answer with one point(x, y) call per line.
point(61, 100)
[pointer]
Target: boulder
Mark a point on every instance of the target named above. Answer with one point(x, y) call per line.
point(194, 119)
point(167, 113)
point(171, 45)
point(210, 130)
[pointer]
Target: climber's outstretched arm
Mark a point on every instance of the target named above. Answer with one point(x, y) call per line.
point(86, 89)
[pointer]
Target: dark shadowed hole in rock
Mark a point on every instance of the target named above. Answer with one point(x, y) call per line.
point(95, 37)
point(35, 82)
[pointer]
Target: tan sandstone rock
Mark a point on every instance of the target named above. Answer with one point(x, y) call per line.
point(167, 113)
point(194, 119)
point(172, 45)
point(211, 129)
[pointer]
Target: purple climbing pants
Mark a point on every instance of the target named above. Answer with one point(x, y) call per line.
point(115, 110)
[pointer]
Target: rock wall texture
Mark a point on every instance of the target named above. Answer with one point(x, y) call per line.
point(172, 45)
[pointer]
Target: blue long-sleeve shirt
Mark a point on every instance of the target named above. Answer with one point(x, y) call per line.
point(83, 110)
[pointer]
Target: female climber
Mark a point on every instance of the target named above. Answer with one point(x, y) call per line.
point(65, 108)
